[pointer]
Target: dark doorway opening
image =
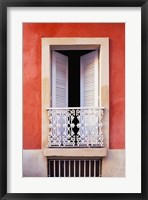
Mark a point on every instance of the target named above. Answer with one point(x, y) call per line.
point(74, 75)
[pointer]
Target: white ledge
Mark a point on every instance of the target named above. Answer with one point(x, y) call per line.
point(75, 152)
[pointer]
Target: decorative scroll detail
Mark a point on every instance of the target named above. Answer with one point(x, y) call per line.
point(75, 127)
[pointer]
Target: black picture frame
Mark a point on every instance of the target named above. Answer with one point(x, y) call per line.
point(4, 4)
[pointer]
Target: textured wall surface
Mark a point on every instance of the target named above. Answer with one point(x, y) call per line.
point(32, 34)
point(114, 164)
point(34, 163)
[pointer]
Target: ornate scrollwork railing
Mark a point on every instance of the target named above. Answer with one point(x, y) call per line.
point(75, 127)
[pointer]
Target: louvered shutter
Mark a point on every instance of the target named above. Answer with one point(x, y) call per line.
point(59, 80)
point(89, 79)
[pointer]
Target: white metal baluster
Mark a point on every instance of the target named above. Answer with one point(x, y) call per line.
point(79, 168)
point(100, 168)
point(69, 168)
point(64, 169)
point(94, 168)
point(84, 168)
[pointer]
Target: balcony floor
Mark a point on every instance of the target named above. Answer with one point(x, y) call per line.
point(75, 153)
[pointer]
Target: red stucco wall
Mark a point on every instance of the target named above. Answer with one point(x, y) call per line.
point(32, 34)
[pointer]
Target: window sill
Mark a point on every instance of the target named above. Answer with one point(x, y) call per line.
point(75, 152)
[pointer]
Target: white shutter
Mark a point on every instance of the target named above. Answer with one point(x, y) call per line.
point(59, 80)
point(89, 79)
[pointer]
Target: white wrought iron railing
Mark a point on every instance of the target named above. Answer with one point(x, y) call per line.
point(75, 127)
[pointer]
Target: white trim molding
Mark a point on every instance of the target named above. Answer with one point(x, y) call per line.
point(101, 44)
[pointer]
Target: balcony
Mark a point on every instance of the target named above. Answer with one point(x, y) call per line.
point(75, 127)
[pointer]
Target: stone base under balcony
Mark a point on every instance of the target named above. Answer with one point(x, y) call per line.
point(74, 153)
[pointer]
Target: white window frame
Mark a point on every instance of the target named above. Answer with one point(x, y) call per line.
point(49, 44)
